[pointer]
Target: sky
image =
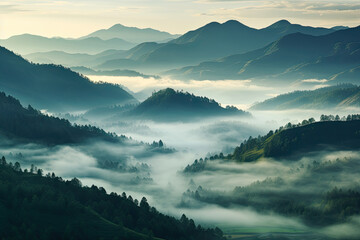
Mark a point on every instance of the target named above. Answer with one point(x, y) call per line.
point(75, 18)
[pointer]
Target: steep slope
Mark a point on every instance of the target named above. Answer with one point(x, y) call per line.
point(37, 207)
point(328, 97)
point(295, 56)
point(54, 87)
point(216, 40)
point(132, 34)
point(26, 44)
point(171, 105)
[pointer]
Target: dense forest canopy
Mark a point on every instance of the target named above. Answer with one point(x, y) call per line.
point(34, 206)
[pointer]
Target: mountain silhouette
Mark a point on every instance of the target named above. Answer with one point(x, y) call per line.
point(132, 34)
point(27, 43)
point(295, 56)
point(212, 41)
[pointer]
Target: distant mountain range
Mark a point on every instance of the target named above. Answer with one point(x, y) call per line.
point(118, 37)
point(215, 40)
point(295, 56)
point(209, 42)
point(26, 44)
point(127, 73)
point(323, 98)
point(55, 88)
point(132, 34)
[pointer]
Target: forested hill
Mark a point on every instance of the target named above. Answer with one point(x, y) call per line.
point(17, 122)
point(168, 104)
point(344, 95)
point(37, 207)
point(53, 87)
point(330, 133)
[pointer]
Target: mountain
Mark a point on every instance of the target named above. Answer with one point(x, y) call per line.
point(171, 105)
point(295, 56)
point(47, 207)
point(27, 43)
point(329, 97)
point(132, 34)
point(214, 40)
point(54, 87)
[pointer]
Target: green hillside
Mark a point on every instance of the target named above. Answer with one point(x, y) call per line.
point(286, 142)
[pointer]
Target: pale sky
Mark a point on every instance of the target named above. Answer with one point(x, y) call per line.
point(75, 18)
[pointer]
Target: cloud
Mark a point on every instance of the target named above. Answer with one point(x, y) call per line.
point(11, 8)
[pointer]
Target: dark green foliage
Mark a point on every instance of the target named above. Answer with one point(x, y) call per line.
point(36, 207)
point(343, 95)
point(332, 131)
point(338, 134)
point(168, 104)
point(53, 87)
point(29, 124)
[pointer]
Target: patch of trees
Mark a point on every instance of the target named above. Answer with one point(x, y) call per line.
point(34, 206)
point(271, 195)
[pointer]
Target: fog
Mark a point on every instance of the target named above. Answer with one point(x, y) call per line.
point(159, 177)
point(240, 93)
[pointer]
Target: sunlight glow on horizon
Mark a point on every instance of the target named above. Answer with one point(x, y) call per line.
point(69, 18)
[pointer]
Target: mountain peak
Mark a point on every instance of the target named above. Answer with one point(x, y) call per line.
point(234, 23)
point(116, 26)
point(280, 24)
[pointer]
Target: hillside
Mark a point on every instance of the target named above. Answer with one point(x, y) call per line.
point(329, 97)
point(171, 105)
point(330, 133)
point(29, 125)
point(132, 34)
point(296, 56)
point(37, 207)
point(53, 87)
point(212, 41)
point(26, 44)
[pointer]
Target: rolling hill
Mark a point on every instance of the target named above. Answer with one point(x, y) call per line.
point(212, 41)
point(293, 141)
point(54, 87)
point(27, 43)
point(295, 56)
point(329, 97)
point(171, 105)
